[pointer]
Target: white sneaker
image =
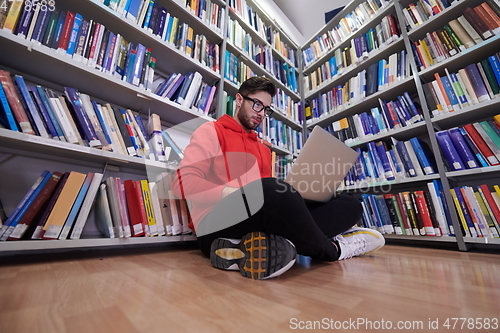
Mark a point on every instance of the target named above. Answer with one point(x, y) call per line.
point(257, 255)
point(359, 241)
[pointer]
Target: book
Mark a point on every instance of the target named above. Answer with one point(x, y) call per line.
point(103, 214)
point(55, 221)
point(449, 151)
point(136, 208)
point(14, 102)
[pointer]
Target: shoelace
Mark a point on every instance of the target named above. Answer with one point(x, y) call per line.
point(356, 247)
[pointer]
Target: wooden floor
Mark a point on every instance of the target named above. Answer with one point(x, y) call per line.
point(178, 291)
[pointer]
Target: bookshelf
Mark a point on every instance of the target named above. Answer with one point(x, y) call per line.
point(317, 53)
point(45, 66)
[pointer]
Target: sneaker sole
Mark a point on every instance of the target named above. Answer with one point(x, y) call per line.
point(258, 255)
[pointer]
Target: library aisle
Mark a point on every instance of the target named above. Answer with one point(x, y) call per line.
point(178, 291)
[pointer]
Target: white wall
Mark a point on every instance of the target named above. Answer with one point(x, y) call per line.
point(308, 16)
point(283, 21)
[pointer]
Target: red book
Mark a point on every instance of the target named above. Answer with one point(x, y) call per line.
point(477, 23)
point(392, 25)
point(66, 31)
point(404, 217)
point(424, 213)
point(481, 145)
point(392, 113)
point(93, 46)
point(494, 16)
point(485, 16)
point(135, 205)
point(15, 103)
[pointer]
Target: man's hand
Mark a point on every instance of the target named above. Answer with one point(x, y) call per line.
point(228, 190)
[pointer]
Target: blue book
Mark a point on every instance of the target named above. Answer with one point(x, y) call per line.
point(59, 27)
point(398, 167)
point(449, 151)
point(77, 22)
point(41, 25)
point(333, 66)
point(7, 111)
point(51, 113)
point(82, 118)
point(380, 79)
point(175, 87)
point(450, 92)
point(382, 153)
point(40, 127)
point(370, 168)
point(129, 64)
point(23, 205)
point(372, 124)
point(364, 122)
point(133, 10)
point(441, 196)
point(404, 118)
point(424, 156)
point(495, 66)
point(384, 214)
point(70, 220)
point(204, 98)
point(474, 149)
point(404, 157)
point(140, 123)
point(137, 65)
point(100, 117)
point(408, 114)
point(376, 213)
point(130, 132)
point(149, 12)
point(376, 160)
point(178, 154)
point(413, 108)
point(185, 87)
point(465, 211)
point(170, 24)
point(367, 212)
point(462, 148)
point(46, 117)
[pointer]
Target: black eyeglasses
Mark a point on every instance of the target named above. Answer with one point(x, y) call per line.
point(258, 106)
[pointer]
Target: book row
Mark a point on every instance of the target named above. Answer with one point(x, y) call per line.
point(379, 76)
point(58, 205)
point(281, 165)
point(380, 162)
point(186, 90)
point(423, 213)
point(280, 135)
point(250, 16)
point(383, 34)
point(150, 15)
point(237, 71)
point(286, 106)
point(75, 118)
point(242, 39)
point(474, 84)
point(86, 41)
point(455, 37)
point(422, 10)
point(399, 113)
point(427, 213)
point(471, 146)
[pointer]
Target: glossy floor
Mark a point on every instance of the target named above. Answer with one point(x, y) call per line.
point(178, 291)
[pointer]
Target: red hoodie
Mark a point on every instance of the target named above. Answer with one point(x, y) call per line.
point(220, 154)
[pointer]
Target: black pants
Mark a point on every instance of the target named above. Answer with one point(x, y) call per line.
point(309, 226)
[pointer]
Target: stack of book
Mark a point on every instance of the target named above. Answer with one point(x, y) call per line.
point(235, 70)
point(250, 16)
point(399, 113)
point(385, 33)
point(75, 118)
point(280, 135)
point(471, 146)
point(351, 23)
point(473, 27)
point(423, 213)
point(86, 41)
point(379, 76)
point(57, 206)
point(380, 163)
point(187, 90)
point(471, 85)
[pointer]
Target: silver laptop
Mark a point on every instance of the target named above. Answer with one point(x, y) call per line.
point(321, 166)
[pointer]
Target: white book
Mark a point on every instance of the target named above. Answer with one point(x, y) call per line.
point(175, 214)
point(62, 117)
point(193, 90)
point(33, 21)
point(155, 201)
point(103, 217)
point(108, 112)
point(113, 198)
point(64, 107)
point(463, 78)
point(413, 158)
point(482, 227)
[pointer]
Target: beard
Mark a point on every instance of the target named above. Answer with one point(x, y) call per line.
point(247, 122)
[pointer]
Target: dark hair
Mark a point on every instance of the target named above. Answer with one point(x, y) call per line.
point(257, 83)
